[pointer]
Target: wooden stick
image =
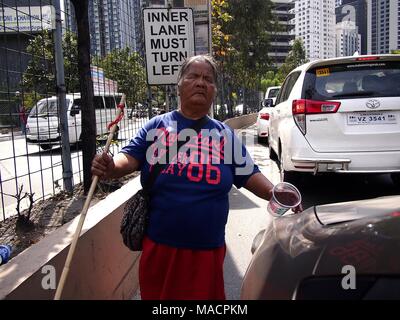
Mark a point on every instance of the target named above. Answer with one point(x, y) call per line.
point(83, 213)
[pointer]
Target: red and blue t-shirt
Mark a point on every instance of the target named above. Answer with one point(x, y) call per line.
point(189, 199)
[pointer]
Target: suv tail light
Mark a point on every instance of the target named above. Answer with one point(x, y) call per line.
point(264, 116)
point(302, 107)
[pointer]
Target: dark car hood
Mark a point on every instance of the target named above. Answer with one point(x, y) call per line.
point(349, 211)
point(325, 225)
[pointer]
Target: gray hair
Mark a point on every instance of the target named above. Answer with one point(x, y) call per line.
point(201, 57)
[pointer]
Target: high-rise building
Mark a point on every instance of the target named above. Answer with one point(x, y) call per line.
point(154, 3)
point(355, 12)
point(281, 39)
point(112, 25)
point(348, 40)
point(383, 17)
point(315, 25)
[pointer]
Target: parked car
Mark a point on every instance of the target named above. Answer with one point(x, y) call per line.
point(339, 115)
point(347, 250)
point(138, 111)
point(238, 110)
point(42, 126)
point(262, 123)
point(272, 93)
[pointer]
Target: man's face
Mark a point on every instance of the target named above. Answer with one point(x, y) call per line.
point(197, 88)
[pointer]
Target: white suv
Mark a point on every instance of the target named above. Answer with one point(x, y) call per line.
point(339, 115)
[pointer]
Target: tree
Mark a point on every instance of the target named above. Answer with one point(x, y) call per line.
point(270, 80)
point(295, 58)
point(127, 68)
point(247, 41)
point(86, 88)
point(221, 45)
point(39, 75)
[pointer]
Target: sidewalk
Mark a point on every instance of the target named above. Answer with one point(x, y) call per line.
point(8, 133)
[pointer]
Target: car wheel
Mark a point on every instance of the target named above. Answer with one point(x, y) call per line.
point(395, 178)
point(261, 139)
point(272, 154)
point(46, 146)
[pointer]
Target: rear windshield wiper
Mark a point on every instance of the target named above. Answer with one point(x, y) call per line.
point(354, 94)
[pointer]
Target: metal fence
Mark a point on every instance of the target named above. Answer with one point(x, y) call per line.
point(31, 159)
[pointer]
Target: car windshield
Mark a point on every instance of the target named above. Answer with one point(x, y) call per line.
point(353, 80)
point(273, 93)
point(45, 108)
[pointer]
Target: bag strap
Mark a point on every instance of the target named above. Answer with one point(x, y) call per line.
point(158, 167)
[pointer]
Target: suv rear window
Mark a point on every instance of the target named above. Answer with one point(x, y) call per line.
point(353, 80)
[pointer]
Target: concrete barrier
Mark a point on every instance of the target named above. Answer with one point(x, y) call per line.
point(102, 267)
point(242, 121)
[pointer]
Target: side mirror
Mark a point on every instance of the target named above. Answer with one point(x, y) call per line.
point(268, 102)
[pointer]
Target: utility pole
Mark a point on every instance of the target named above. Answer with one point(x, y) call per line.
point(149, 102)
point(167, 98)
point(210, 45)
point(62, 106)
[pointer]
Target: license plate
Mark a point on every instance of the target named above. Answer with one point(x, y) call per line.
point(360, 118)
point(42, 137)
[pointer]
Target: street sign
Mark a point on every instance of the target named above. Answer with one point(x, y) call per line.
point(169, 40)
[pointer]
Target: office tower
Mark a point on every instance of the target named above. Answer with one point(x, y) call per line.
point(315, 25)
point(383, 25)
point(348, 40)
point(281, 39)
point(112, 25)
point(355, 12)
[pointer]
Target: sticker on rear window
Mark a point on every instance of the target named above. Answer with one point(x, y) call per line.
point(322, 72)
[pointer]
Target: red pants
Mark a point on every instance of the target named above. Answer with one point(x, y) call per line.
point(167, 273)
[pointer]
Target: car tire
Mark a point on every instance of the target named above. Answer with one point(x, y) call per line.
point(46, 147)
point(272, 154)
point(287, 176)
point(395, 176)
point(262, 139)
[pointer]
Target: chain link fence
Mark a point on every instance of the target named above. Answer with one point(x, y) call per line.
point(31, 157)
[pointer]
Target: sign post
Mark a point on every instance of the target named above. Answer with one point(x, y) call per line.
point(169, 40)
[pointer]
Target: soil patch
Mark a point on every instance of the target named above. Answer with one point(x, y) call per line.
point(50, 214)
